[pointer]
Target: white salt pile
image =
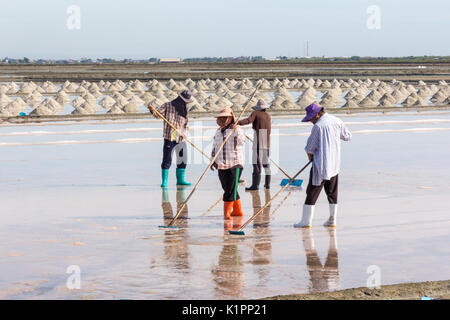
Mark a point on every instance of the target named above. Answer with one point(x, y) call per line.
point(86, 108)
point(47, 107)
point(4, 100)
point(196, 107)
point(351, 104)
point(107, 102)
point(116, 109)
point(62, 98)
point(120, 99)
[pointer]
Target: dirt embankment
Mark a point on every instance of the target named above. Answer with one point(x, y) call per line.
point(404, 291)
point(182, 71)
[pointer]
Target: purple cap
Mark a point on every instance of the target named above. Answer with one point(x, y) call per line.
point(311, 111)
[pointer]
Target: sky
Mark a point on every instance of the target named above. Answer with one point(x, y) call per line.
point(141, 29)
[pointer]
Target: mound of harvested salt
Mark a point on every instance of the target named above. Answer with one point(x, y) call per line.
point(107, 102)
point(4, 100)
point(211, 106)
point(196, 107)
point(351, 104)
point(47, 107)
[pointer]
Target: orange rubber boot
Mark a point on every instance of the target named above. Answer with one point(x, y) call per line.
point(227, 207)
point(237, 210)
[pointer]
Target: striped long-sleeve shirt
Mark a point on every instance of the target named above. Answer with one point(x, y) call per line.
point(231, 154)
point(179, 122)
point(324, 143)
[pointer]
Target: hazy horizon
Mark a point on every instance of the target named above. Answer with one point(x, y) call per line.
point(199, 28)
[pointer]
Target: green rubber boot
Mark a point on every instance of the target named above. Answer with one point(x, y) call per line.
point(164, 175)
point(180, 178)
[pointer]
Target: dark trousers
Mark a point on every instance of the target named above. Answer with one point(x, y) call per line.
point(229, 180)
point(313, 192)
point(181, 153)
point(261, 160)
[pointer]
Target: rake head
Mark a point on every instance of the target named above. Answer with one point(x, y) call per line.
point(237, 232)
point(169, 227)
point(295, 183)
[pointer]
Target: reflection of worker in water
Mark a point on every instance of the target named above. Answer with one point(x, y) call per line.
point(229, 272)
point(176, 250)
point(323, 277)
point(262, 247)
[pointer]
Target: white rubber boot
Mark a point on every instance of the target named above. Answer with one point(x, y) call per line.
point(331, 222)
point(308, 213)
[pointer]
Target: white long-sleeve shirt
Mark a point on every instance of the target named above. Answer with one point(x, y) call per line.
point(324, 143)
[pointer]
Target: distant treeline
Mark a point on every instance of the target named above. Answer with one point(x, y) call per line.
point(243, 59)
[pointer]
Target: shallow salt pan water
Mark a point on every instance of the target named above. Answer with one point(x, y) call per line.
point(98, 206)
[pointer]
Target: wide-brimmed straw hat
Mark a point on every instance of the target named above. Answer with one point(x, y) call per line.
point(261, 105)
point(226, 112)
point(311, 111)
point(186, 95)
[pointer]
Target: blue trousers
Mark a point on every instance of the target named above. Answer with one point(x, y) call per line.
point(180, 150)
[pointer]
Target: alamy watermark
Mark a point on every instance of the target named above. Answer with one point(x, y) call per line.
point(374, 280)
point(374, 20)
point(74, 280)
point(73, 21)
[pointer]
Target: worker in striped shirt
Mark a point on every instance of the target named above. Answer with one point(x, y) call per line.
point(324, 149)
point(230, 160)
point(176, 113)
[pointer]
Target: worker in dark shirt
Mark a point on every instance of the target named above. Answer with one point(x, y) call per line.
point(261, 123)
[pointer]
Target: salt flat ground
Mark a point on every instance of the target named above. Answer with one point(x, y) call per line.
point(87, 194)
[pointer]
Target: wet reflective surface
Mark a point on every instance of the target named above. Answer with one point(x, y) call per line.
point(99, 206)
